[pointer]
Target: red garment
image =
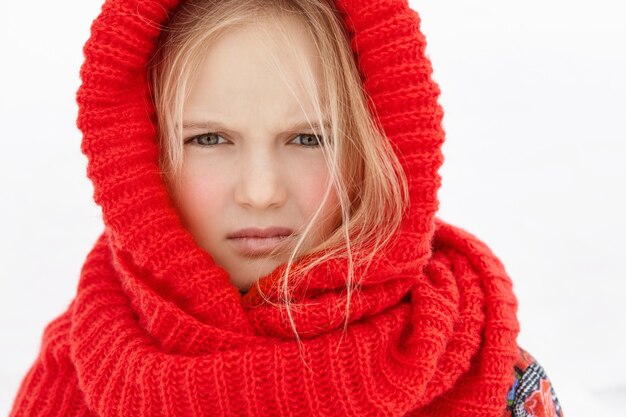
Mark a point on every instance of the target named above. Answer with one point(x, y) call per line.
point(156, 327)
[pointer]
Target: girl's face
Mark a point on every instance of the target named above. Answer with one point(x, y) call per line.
point(250, 159)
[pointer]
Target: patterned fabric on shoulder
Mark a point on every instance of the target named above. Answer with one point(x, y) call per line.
point(532, 394)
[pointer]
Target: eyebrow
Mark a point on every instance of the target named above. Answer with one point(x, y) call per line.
point(212, 125)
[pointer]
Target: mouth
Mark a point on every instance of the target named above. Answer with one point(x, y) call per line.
point(255, 241)
point(259, 246)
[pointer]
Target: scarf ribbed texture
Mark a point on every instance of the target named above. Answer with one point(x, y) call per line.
point(156, 327)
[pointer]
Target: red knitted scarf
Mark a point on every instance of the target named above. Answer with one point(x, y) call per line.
point(156, 327)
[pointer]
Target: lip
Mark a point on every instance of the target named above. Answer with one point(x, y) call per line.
point(255, 241)
point(260, 233)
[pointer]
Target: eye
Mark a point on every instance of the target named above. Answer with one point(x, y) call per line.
point(206, 139)
point(311, 140)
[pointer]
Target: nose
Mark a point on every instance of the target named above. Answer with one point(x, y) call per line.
point(260, 184)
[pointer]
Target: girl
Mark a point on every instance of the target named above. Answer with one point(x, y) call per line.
point(267, 172)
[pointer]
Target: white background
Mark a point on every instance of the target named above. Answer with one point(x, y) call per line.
point(534, 95)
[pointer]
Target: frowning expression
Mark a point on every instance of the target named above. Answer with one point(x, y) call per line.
point(251, 160)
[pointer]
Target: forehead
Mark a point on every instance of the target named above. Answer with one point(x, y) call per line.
point(273, 65)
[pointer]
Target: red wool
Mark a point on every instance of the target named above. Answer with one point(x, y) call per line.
point(156, 327)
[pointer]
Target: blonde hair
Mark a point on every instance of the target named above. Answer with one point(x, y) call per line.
point(368, 178)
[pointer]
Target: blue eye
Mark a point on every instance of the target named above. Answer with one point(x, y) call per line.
point(205, 139)
point(212, 139)
point(317, 140)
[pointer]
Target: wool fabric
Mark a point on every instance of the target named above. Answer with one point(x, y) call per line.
point(157, 329)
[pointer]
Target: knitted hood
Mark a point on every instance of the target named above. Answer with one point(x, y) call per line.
point(157, 328)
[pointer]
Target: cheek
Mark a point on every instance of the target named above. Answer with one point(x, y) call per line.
point(309, 184)
point(198, 199)
point(310, 190)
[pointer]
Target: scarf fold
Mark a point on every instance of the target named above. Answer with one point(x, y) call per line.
point(156, 327)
